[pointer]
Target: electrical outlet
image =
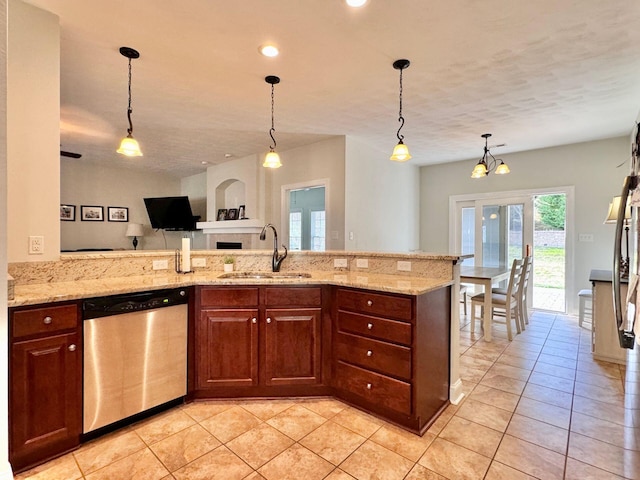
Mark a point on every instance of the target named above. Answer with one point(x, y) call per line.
point(198, 262)
point(404, 266)
point(362, 263)
point(160, 264)
point(585, 237)
point(36, 245)
point(351, 236)
point(340, 263)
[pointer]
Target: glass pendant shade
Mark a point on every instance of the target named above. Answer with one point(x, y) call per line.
point(272, 160)
point(502, 169)
point(129, 147)
point(479, 171)
point(400, 153)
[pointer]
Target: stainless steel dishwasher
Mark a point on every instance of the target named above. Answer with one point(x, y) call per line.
point(135, 354)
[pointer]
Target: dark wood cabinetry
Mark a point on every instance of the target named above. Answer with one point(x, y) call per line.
point(45, 383)
point(390, 353)
point(262, 340)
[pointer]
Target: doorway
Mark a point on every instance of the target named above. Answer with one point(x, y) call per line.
point(305, 214)
point(496, 227)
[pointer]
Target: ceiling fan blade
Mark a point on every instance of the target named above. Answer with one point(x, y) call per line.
point(70, 154)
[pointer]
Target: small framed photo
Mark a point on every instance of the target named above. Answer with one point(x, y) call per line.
point(118, 214)
point(91, 213)
point(232, 214)
point(241, 214)
point(222, 214)
point(68, 213)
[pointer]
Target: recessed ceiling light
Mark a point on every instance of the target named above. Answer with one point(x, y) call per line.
point(269, 50)
point(228, 155)
point(204, 162)
point(356, 3)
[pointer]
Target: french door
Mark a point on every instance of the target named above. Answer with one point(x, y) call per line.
point(495, 231)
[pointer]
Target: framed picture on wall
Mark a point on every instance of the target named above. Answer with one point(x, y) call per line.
point(68, 213)
point(91, 213)
point(222, 214)
point(118, 214)
point(232, 214)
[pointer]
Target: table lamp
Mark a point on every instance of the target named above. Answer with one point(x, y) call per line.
point(612, 217)
point(135, 230)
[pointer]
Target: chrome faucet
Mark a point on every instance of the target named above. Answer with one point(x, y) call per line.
point(277, 258)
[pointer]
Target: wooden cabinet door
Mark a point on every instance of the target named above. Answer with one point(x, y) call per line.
point(292, 346)
point(227, 348)
point(46, 397)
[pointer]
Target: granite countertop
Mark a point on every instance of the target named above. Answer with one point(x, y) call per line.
point(60, 291)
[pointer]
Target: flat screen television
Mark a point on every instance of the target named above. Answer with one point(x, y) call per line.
point(170, 213)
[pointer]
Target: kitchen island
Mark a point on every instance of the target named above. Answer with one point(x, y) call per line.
point(378, 338)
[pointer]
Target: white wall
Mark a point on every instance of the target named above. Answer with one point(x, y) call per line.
point(382, 200)
point(33, 132)
point(195, 187)
point(5, 468)
point(102, 185)
point(320, 160)
point(590, 167)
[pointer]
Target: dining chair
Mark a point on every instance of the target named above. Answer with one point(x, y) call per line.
point(463, 298)
point(521, 292)
point(507, 301)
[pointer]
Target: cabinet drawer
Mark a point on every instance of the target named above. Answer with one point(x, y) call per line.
point(293, 296)
point(229, 297)
point(375, 388)
point(384, 357)
point(376, 304)
point(44, 320)
point(375, 327)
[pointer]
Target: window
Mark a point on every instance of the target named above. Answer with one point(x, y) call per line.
point(317, 230)
point(295, 230)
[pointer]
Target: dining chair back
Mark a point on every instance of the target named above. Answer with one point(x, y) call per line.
point(507, 301)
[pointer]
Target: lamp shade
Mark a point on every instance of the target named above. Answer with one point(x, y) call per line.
point(129, 147)
point(400, 153)
point(502, 169)
point(272, 160)
point(479, 171)
point(135, 230)
point(614, 207)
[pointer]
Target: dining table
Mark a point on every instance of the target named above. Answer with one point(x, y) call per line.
point(486, 277)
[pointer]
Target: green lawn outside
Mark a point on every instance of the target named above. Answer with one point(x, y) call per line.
point(549, 267)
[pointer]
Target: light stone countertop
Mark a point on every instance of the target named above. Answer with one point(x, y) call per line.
point(38, 293)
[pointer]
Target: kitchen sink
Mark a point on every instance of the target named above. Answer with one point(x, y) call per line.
point(261, 275)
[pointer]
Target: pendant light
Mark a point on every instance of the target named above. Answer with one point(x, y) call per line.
point(486, 165)
point(401, 151)
point(129, 145)
point(272, 159)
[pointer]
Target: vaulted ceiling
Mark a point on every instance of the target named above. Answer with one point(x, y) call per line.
point(534, 73)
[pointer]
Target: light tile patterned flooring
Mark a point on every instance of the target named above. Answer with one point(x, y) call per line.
point(538, 407)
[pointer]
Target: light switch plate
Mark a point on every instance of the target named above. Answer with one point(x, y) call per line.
point(160, 264)
point(585, 237)
point(404, 266)
point(340, 263)
point(362, 263)
point(198, 262)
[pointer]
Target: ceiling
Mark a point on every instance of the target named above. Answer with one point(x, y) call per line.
point(534, 73)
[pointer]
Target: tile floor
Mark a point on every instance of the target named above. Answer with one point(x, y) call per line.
point(538, 407)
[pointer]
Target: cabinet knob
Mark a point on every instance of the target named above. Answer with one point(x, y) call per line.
point(254, 320)
point(47, 320)
point(369, 386)
point(369, 326)
point(268, 319)
point(369, 353)
point(369, 302)
point(72, 348)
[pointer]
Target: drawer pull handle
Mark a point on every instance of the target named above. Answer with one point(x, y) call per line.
point(268, 319)
point(254, 320)
point(47, 320)
point(72, 348)
point(369, 353)
point(369, 386)
point(369, 302)
point(370, 326)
